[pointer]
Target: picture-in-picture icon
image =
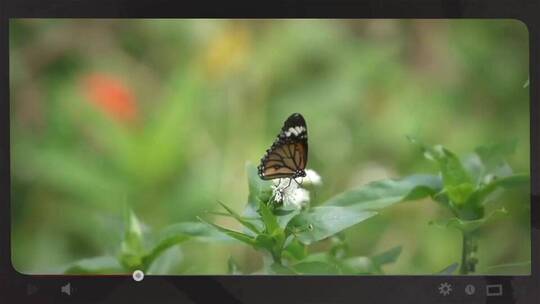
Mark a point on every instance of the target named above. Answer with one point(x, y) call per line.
point(494, 290)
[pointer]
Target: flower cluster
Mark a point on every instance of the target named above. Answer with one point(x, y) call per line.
point(289, 191)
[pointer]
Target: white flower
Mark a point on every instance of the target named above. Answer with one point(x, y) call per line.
point(311, 178)
point(297, 199)
point(287, 191)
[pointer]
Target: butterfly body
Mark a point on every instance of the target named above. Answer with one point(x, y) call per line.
point(287, 157)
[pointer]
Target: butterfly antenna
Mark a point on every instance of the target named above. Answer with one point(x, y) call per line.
point(290, 179)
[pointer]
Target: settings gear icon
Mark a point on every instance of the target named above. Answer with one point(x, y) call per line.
point(445, 288)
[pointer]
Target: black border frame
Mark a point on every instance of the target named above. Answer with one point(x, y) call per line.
point(268, 289)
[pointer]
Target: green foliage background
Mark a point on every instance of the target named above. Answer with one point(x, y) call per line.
point(212, 94)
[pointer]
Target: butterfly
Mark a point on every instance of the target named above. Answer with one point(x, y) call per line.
point(287, 157)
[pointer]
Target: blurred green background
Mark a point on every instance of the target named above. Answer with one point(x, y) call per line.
point(162, 115)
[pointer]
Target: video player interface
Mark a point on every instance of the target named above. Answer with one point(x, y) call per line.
point(270, 147)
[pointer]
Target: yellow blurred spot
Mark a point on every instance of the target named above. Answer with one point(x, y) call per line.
point(227, 52)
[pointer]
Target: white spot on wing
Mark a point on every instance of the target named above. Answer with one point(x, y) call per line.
point(294, 130)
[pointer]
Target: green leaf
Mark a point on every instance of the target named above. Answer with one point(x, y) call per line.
point(468, 226)
point(260, 190)
point(251, 213)
point(326, 221)
point(357, 265)
point(132, 248)
point(265, 241)
point(195, 230)
point(370, 265)
point(166, 262)
point(285, 216)
point(450, 269)
point(315, 268)
point(387, 257)
point(352, 265)
point(296, 250)
point(339, 248)
point(488, 162)
point(97, 265)
point(269, 219)
point(456, 179)
point(133, 239)
point(240, 219)
point(480, 197)
point(459, 194)
point(233, 234)
point(509, 268)
point(226, 214)
point(319, 257)
point(384, 193)
point(442, 197)
point(493, 156)
point(166, 241)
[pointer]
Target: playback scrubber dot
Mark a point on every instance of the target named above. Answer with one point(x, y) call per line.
point(138, 275)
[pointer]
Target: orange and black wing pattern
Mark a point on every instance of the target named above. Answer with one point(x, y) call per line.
point(287, 157)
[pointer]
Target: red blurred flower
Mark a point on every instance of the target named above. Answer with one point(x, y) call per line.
point(112, 96)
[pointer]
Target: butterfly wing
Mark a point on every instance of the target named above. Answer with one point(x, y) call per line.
point(287, 157)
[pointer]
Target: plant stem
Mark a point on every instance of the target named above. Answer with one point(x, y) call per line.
point(276, 257)
point(468, 253)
